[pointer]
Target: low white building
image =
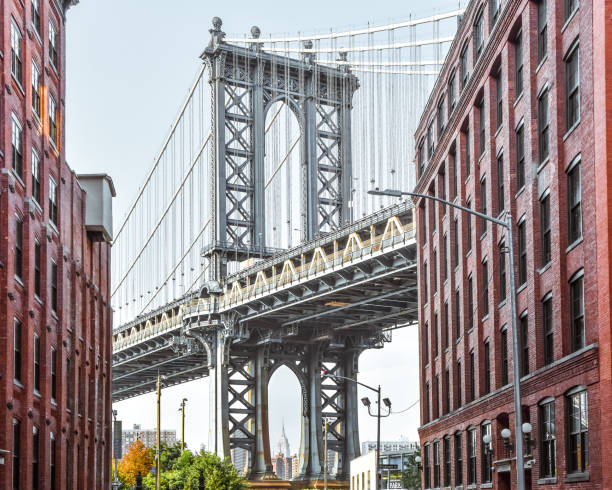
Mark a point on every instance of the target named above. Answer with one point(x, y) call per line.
point(363, 472)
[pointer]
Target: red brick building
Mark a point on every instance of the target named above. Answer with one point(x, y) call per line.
point(55, 319)
point(518, 121)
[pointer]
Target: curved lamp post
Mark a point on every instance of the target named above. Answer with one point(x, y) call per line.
point(507, 224)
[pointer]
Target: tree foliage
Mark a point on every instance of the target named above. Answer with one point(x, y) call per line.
point(182, 471)
point(137, 460)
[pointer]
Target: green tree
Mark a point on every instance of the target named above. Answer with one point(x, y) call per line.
point(411, 476)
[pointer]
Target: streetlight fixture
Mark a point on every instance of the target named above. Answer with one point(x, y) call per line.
point(158, 450)
point(507, 224)
point(366, 402)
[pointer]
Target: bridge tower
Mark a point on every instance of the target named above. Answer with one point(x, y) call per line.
point(245, 82)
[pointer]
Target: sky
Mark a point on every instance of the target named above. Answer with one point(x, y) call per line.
point(130, 64)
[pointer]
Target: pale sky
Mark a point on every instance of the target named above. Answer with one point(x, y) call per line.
point(130, 64)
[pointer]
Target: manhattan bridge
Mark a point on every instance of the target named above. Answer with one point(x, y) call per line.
point(252, 242)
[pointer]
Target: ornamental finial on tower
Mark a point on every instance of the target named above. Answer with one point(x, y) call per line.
point(216, 34)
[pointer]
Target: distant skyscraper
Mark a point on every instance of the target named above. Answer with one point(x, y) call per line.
point(147, 437)
point(283, 444)
point(239, 458)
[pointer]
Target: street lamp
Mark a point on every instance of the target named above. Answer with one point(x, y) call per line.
point(158, 451)
point(116, 483)
point(182, 410)
point(507, 225)
point(366, 402)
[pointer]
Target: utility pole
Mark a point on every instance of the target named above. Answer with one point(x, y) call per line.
point(325, 458)
point(158, 452)
point(182, 409)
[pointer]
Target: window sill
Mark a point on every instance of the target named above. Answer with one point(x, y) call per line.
point(482, 155)
point(459, 339)
point(53, 402)
point(483, 235)
point(468, 253)
point(519, 192)
point(18, 85)
point(498, 130)
point(577, 477)
point(17, 383)
point(19, 281)
point(547, 481)
point(54, 227)
point(37, 298)
point(485, 318)
point(470, 330)
point(569, 19)
point(486, 485)
point(37, 394)
point(541, 63)
point(519, 98)
point(544, 268)
point(54, 315)
point(502, 304)
point(573, 245)
point(571, 130)
point(467, 179)
point(543, 164)
point(18, 177)
point(521, 287)
point(37, 34)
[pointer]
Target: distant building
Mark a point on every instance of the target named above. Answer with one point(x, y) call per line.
point(295, 466)
point(283, 444)
point(239, 459)
point(394, 468)
point(390, 446)
point(147, 437)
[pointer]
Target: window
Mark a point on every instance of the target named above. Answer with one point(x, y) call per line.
point(468, 220)
point(436, 461)
point(500, 184)
point(35, 90)
point(570, 8)
point(472, 377)
point(447, 461)
point(17, 146)
point(548, 442)
point(463, 66)
point(483, 205)
point(442, 177)
point(543, 125)
point(423, 219)
point(574, 204)
point(518, 65)
point(435, 271)
point(427, 466)
point(16, 454)
point(486, 471)
point(52, 121)
point(487, 367)
point(522, 251)
point(52, 201)
point(499, 98)
point(426, 354)
point(504, 356)
point(16, 63)
point(457, 315)
point(453, 160)
point(547, 323)
point(572, 88)
point(445, 257)
point(36, 363)
point(495, 9)
point(578, 432)
point(427, 415)
point(37, 279)
point(440, 117)
point(481, 126)
point(446, 333)
point(459, 385)
point(447, 390)
point(470, 304)
point(36, 16)
point(502, 272)
point(54, 286)
point(18, 247)
point(52, 456)
point(524, 344)
point(35, 176)
point(542, 31)
point(35, 446)
point(478, 35)
point(520, 157)
point(471, 449)
point(468, 157)
point(545, 229)
point(452, 100)
point(485, 288)
point(455, 242)
point(17, 349)
point(430, 139)
point(458, 459)
point(53, 42)
point(437, 397)
point(421, 157)
point(53, 373)
point(436, 339)
point(577, 313)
